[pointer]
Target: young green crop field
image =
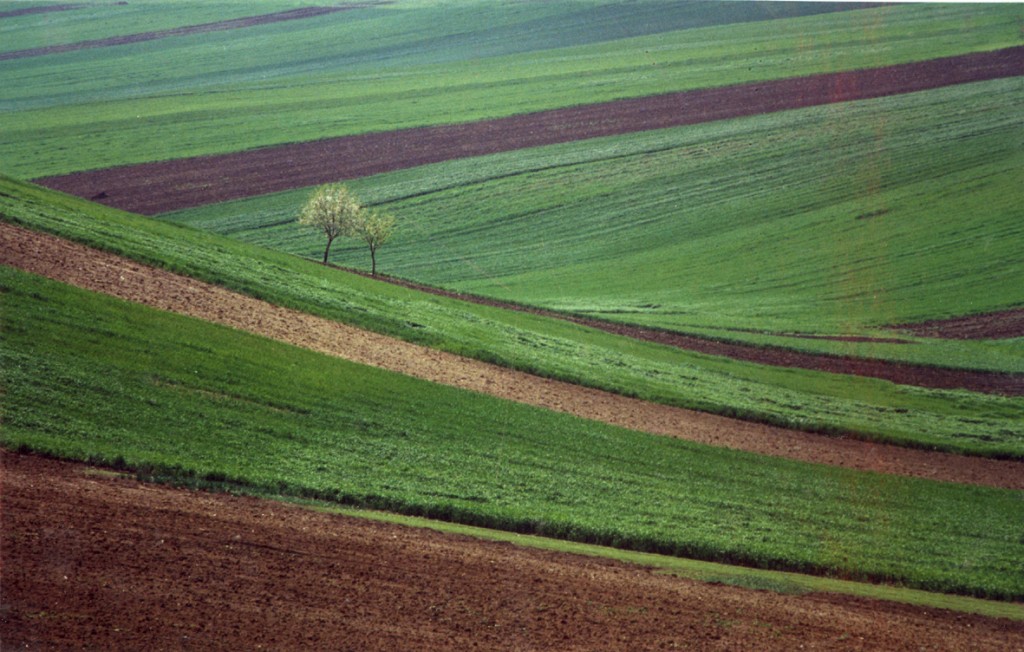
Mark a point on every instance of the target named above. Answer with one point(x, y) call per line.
point(94, 378)
point(958, 421)
point(837, 220)
point(418, 63)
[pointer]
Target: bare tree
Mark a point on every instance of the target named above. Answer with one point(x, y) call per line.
point(375, 228)
point(332, 210)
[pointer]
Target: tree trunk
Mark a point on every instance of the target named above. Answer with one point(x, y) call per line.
point(373, 262)
point(328, 249)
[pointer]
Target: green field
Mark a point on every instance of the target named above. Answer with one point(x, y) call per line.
point(958, 421)
point(837, 220)
point(419, 63)
point(91, 377)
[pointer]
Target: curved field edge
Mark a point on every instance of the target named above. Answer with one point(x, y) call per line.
point(955, 421)
point(96, 379)
point(95, 118)
point(780, 582)
point(93, 270)
point(521, 597)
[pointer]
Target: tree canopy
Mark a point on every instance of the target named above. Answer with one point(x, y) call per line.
point(334, 211)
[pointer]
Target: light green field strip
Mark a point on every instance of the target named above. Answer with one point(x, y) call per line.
point(93, 378)
point(408, 65)
point(836, 220)
point(956, 421)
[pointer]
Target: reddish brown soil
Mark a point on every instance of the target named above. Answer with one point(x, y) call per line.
point(897, 372)
point(102, 272)
point(160, 187)
point(219, 26)
point(95, 561)
point(991, 326)
point(13, 13)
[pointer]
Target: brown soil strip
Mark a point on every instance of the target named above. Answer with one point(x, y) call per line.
point(990, 326)
point(102, 272)
point(160, 187)
point(14, 13)
point(219, 26)
point(896, 372)
point(107, 563)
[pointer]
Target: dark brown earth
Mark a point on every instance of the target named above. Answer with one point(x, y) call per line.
point(25, 11)
point(102, 272)
point(160, 187)
point(219, 26)
point(990, 326)
point(897, 372)
point(96, 561)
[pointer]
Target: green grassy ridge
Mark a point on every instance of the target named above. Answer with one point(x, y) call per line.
point(955, 421)
point(756, 223)
point(112, 106)
point(90, 377)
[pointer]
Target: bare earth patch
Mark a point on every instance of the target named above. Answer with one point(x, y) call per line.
point(152, 188)
point(219, 26)
point(991, 326)
point(103, 272)
point(94, 561)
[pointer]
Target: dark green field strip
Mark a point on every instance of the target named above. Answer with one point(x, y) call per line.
point(235, 23)
point(161, 187)
point(93, 378)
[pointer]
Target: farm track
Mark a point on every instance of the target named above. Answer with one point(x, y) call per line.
point(219, 26)
point(1003, 324)
point(160, 187)
point(98, 561)
point(98, 271)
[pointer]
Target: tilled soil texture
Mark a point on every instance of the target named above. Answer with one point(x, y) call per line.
point(219, 26)
point(102, 272)
point(1010, 323)
point(25, 11)
point(991, 326)
point(98, 562)
point(160, 187)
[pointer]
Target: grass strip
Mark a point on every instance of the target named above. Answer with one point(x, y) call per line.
point(95, 379)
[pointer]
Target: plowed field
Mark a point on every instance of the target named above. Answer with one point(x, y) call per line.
point(93, 561)
point(153, 188)
point(102, 272)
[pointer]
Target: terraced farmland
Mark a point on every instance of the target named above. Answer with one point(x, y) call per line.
point(706, 338)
